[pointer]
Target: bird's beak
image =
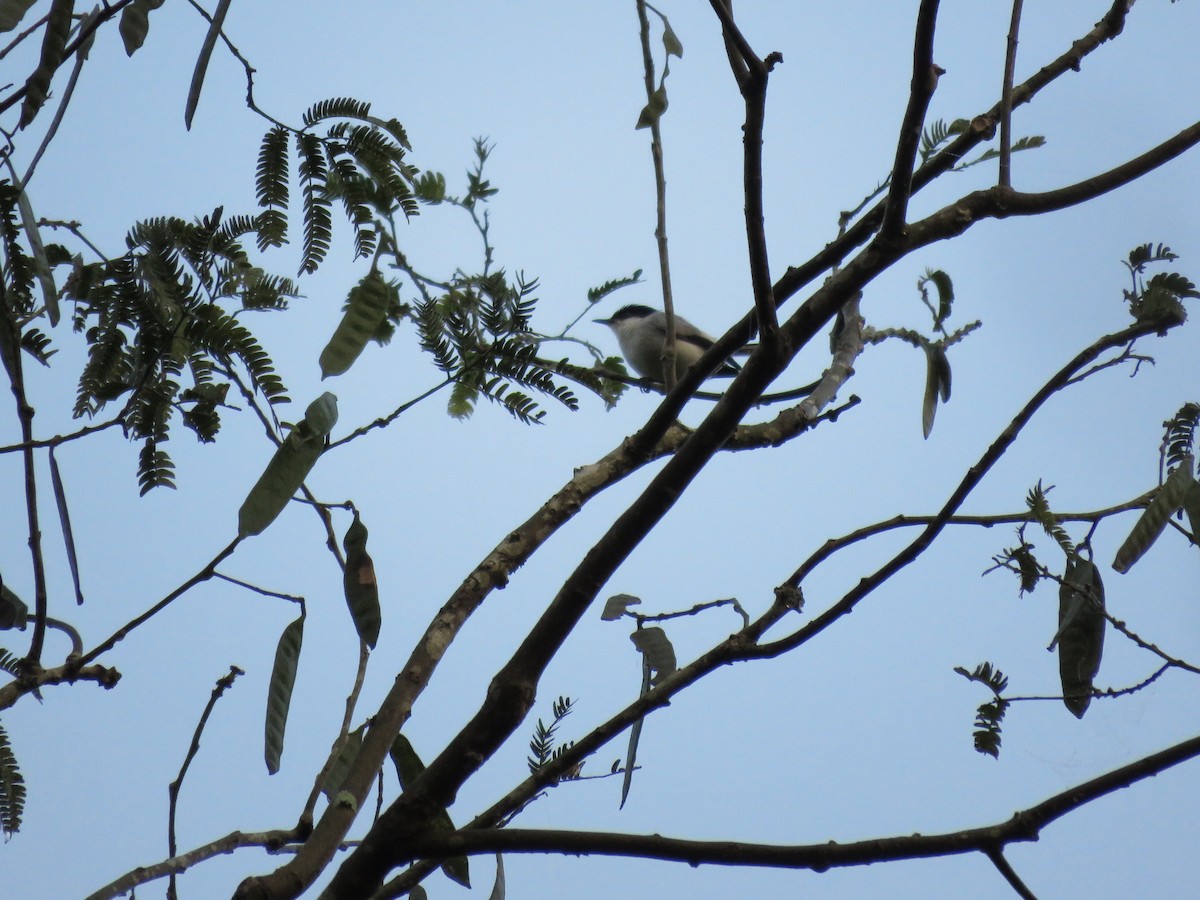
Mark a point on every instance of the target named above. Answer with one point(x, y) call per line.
point(602, 321)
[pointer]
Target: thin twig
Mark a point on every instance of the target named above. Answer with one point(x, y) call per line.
point(68, 92)
point(1010, 66)
point(207, 572)
point(84, 36)
point(996, 855)
point(258, 590)
point(223, 683)
point(660, 194)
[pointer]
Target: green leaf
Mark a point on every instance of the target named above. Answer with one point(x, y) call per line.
point(671, 41)
point(660, 655)
point(362, 591)
point(1191, 505)
point(279, 693)
point(408, 769)
point(366, 308)
point(13, 611)
point(321, 415)
point(937, 384)
point(41, 263)
point(654, 109)
point(596, 294)
point(635, 733)
point(617, 605)
point(1080, 633)
point(64, 518)
point(1150, 525)
point(54, 44)
point(206, 49)
point(12, 788)
point(317, 220)
point(288, 468)
point(12, 11)
point(346, 754)
point(135, 23)
point(498, 888)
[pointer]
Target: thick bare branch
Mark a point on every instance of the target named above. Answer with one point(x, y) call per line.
point(1024, 825)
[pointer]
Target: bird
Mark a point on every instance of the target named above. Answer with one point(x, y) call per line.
point(642, 332)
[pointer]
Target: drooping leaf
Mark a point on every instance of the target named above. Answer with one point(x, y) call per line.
point(987, 734)
point(12, 11)
point(937, 385)
point(362, 591)
point(498, 888)
point(135, 23)
point(279, 692)
point(366, 308)
point(656, 647)
point(346, 754)
point(945, 291)
point(989, 715)
point(64, 518)
point(12, 788)
point(1150, 525)
point(1191, 505)
point(635, 735)
point(41, 263)
point(13, 611)
point(54, 45)
point(670, 40)
point(408, 769)
point(617, 605)
point(1080, 633)
point(317, 220)
point(206, 49)
point(654, 109)
point(293, 460)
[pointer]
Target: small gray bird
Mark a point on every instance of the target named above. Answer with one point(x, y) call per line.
point(642, 332)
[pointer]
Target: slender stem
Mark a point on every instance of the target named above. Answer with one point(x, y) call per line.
point(1010, 66)
point(223, 683)
point(660, 193)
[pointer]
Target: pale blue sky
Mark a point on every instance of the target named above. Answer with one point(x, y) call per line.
point(866, 732)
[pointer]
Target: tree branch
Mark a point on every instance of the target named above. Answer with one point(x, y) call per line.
point(1024, 826)
point(924, 82)
point(660, 194)
point(223, 683)
point(1010, 66)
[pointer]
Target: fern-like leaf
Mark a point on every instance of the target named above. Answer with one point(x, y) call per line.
point(12, 788)
point(598, 293)
point(989, 715)
point(155, 468)
point(542, 745)
point(1039, 510)
point(317, 223)
point(1180, 438)
point(336, 108)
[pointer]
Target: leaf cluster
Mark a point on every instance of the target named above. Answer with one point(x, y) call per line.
point(479, 334)
point(12, 788)
point(989, 715)
point(542, 746)
point(1158, 299)
point(357, 160)
point(159, 335)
